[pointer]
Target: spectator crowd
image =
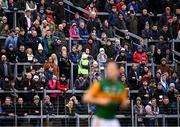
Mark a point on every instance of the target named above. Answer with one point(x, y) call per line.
point(65, 52)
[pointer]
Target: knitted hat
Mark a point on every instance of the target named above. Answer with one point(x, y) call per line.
point(40, 47)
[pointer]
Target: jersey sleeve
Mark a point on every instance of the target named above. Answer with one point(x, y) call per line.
point(95, 88)
point(123, 96)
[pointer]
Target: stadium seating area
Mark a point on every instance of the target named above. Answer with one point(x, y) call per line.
point(52, 50)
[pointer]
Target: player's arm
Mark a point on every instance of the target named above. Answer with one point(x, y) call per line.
point(91, 95)
point(124, 100)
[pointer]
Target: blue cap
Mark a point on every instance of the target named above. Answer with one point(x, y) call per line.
point(139, 47)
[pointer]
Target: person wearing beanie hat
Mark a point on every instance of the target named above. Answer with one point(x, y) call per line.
point(139, 110)
point(102, 58)
point(163, 67)
point(121, 57)
point(40, 47)
point(40, 55)
point(139, 56)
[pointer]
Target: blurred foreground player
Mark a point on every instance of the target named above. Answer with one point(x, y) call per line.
point(107, 95)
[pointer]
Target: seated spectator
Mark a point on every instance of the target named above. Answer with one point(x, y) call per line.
point(140, 55)
point(108, 29)
point(146, 33)
point(22, 38)
point(169, 56)
point(164, 83)
point(164, 18)
point(11, 39)
point(19, 82)
point(93, 22)
point(4, 27)
point(31, 5)
point(63, 83)
point(110, 49)
point(30, 56)
point(121, 57)
point(155, 33)
point(60, 33)
point(159, 93)
point(145, 92)
point(8, 110)
point(40, 55)
point(21, 54)
point(157, 56)
point(51, 25)
point(35, 110)
point(102, 57)
point(81, 83)
point(133, 5)
point(163, 67)
point(34, 41)
point(139, 111)
point(152, 109)
point(48, 107)
point(166, 33)
point(120, 22)
point(51, 67)
point(36, 83)
point(44, 28)
point(83, 66)
point(90, 8)
point(172, 93)
point(109, 4)
point(74, 31)
point(74, 56)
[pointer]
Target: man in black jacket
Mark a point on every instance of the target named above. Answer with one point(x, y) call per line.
point(5, 68)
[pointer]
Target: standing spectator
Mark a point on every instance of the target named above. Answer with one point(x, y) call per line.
point(61, 34)
point(93, 22)
point(83, 32)
point(11, 54)
point(63, 83)
point(11, 39)
point(109, 4)
point(144, 19)
point(121, 57)
point(44, 28)
point(164, 18)
point(132, 22)
point(140, 55)
point(163, 67)
point(110, 49)
point(158, 93)
point(81, 83)
point(25, 21)
point(52, 85)
point(4, 27)
point(139, 111)
point(64, 65)
point(76, 19)
point(5, 69)
point(152, 109)
point(47, 42)
point(133, 77)
point(120, 22)
point(145, 92)
point(108, 29)
point(21, 54)
point(102, 57)
point(22, 38)
point(84, 65)
point(59, 12)
point(112, 16)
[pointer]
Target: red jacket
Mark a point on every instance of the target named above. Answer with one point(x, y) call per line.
point(89, 10)
point(138, 57)
point(63, 86)
point(53, 85)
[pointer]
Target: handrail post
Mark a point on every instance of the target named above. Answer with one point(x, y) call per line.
point(163, 120)
point(78, 121)
point(70, 39)
point(41, 113)
point(132, 113)
point(135, 122)
point(15, 19)
point(178, 113)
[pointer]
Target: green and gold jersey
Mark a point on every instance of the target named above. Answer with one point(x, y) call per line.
point(113, 90)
